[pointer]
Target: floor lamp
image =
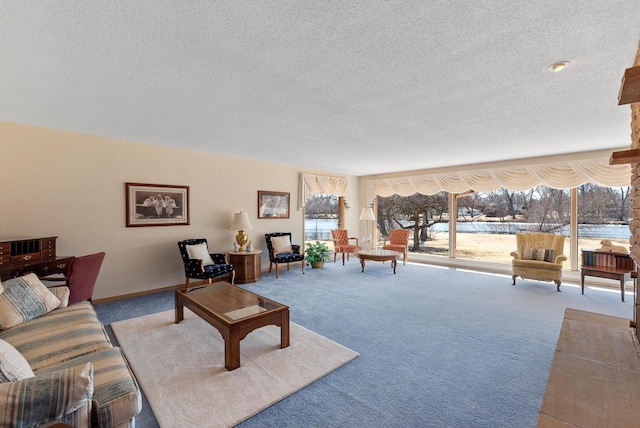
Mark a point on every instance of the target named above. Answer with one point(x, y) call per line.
point(367, 215)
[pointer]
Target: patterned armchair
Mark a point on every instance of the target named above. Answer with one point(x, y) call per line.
point(398, 241)
point(282, 251)
point(341, 243)
point(200, 264)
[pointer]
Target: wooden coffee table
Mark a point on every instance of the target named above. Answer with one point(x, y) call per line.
point(379, 256)
point(234, 312)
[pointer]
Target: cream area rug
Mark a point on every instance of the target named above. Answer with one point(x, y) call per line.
point(181, 369)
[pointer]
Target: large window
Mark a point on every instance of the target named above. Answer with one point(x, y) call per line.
point(603, 213)
point(320, 218)
point(426, 216)
point(485, 222)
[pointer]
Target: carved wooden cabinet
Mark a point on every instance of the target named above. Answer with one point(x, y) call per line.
point(25, 255)
point(247, 265)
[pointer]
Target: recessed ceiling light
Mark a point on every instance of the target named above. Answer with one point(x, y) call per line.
point(558, 66)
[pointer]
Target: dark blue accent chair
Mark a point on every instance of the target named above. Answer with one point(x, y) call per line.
point(287, 258)
point(194, 268)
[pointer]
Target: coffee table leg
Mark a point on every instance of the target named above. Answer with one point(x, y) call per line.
point(232, 350)
point(179, 310)
point(394, 263)
point(362, 263)
point(284, 330)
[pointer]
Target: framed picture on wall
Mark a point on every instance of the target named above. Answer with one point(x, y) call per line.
point(273, 204)
point(157, 205)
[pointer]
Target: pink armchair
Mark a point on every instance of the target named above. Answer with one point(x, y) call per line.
point(342, 244)
point(398, 241)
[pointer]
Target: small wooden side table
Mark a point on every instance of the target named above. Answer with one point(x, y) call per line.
point(618, 266)
point(248, 265)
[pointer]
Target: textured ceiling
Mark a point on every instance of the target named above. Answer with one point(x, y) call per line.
point(355, 87)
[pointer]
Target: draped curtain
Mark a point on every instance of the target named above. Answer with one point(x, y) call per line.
point(560, 175)
point(321, 184)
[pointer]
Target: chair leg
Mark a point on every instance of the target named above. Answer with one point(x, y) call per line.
point(271, 264)
point(303, 263)
point(233, 277)
point(514, 279)
point(335, 254)
point(186, 283)
point(287, 266)
point(404, 260)
point(343, 259)
point(558, 284)
point(277, 273)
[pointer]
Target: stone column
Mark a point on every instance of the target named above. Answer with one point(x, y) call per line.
point(634, 224)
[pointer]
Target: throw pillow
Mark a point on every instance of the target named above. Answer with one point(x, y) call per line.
point(541, 254)
point(200, 252)
point(281, 244)
point(62, 292)
point(23, 299)
point(13, 366)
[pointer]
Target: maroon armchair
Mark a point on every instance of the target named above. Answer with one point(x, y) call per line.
point(82, 276)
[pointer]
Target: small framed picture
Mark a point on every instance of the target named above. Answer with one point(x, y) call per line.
point(273, 204)
point(157, 205)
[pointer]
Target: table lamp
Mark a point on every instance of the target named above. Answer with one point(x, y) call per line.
point(367, 215)
point(241, 222)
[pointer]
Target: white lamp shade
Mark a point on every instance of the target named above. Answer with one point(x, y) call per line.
point(367, 214)
point(241, 221)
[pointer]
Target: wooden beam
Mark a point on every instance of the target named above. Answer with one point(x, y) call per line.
point(625, 156)
point(630, 86)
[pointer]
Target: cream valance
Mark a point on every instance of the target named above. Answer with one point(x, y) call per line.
point(559, 175)
point(321, 184)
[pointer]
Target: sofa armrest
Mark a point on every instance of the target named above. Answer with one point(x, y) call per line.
point(560, 258)
point(515, 255)
point(48, 397)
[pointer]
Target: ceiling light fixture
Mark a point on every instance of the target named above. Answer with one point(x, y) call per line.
point(558, 66)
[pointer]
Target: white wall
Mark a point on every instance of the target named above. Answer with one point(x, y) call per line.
point(72, 185)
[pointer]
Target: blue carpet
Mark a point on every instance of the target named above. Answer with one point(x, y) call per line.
point(438, 347)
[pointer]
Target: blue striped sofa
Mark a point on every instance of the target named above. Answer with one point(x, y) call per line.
point(80, 378)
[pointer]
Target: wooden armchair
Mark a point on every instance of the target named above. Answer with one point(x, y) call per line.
point(398, 241)
point(539, 256)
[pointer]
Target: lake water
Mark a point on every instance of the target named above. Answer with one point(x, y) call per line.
point(321, 229)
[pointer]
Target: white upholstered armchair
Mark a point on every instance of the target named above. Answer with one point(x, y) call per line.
point(539, 256)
